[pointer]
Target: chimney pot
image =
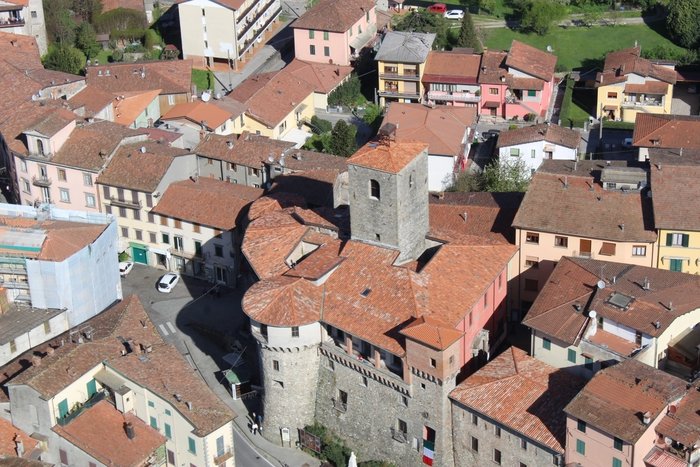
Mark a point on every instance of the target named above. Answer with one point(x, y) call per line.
point(129, 429)
point(646, 418)
point(36, 360)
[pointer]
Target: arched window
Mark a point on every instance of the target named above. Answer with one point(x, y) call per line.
point(374, 191)
point(40, 147)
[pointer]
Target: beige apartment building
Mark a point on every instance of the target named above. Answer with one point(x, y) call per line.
point(224, 31)
point(588, 209)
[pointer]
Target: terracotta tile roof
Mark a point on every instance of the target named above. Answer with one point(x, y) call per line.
point(272, 202)
point(133, 169)
point(524, 83)
point(441, 127)
point(389, 157)
point(269, 240)
point(170, 76)
point(99, 431)
point(284, 301)
point(49, 78)
point(162, 136)
point(333, 15)
point(322, 261)
point(433, 332)
point(615, 399)
point(109, 5)
point(674, 198)
point(163, 371)
point(8, 434)
point(584, 209)
point(531, 60)
point(667, 131)
point(62, 239)
point(246, 149)
point(50, 124)
point(683, 424)
point(620, 63)
point(649, 87)
point(574, 281)
point(92, 99)
point(201, 202)
point(200, 112)
point(488, 217)
point(493, 69)
point(323, 77)
point(20, 50)
point(451, 67)
point(83, 147)
point(522, 393)
point(129, 105)
point(285, 89)
point(550, 133)
point(366, 295)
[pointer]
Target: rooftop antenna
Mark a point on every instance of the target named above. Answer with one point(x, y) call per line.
point(646, 285)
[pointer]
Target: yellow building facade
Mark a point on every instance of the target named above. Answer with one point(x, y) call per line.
point(679, 250)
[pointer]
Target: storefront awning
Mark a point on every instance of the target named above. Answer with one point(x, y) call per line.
point(491, 105)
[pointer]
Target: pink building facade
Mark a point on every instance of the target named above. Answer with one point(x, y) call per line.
point(315, 42)
point(501, 100)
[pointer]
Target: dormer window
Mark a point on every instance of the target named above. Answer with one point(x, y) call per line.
point(374, 191)
point(40, 147)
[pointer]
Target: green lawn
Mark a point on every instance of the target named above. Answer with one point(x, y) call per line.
point(203, 79)
point(576, 47)
point(104, 56)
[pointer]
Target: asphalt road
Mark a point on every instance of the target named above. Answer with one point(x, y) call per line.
point(246, 455)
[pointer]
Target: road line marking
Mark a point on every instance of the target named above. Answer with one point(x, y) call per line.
point(163, 330)
point(171, 327)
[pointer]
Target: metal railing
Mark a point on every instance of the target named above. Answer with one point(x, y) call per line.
point(457, 96)
point(124, 203)
point(400, 76)
point(41, 180)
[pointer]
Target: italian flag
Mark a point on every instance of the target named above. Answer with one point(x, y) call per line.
point(428, 452)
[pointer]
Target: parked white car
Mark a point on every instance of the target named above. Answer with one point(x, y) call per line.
point(125, 268)
point(168, 282)
point(454, 14)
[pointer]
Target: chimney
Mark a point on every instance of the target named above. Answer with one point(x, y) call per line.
point(464, 216)
point(646, 285)
point(49, 351)
point(129, 429)
point(178, 397)
point(229, 144)
point(646, 418)
point(592, 323)
point(189, 405)
point(36, 360)
point(622, 226)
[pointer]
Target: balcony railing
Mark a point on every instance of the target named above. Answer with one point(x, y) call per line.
point(11, 22)
point(392, 92)
point(340, 406)
point(244, 28)
point(399, 436)
point(183, 253)
point(14, 284)
point(78, 408)
point(456, 97)
point(124, 203)
point(400, 76)
point(41, 181)
point(642, 103)
point(220, 459)
point(582, 254)
point(261, 30)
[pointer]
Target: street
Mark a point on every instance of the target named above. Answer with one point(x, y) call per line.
point(204, 327)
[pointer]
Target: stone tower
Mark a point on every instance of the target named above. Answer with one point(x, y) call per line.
point(388, 190)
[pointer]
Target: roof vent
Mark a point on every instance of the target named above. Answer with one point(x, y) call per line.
point(646, 285)
point(189, 405)
point(129, 430)
point(143, 149)
point(178, 397)
point(107, 72)
point(657, 324)
point(365, 293)
point(229, 144)
point(646, 418)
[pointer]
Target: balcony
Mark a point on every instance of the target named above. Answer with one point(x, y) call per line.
point(261, 29)
point(582, 254)
point(42, 181)
point(11, 22)
point(453, 97)
point(122, 203)
point(390, 91)
point(400, 76)
point(79, 408)
point(14, 284)
point(399, 436)
point(643, 102)
point(245, 23)
point(221, 458)
point(187, 254)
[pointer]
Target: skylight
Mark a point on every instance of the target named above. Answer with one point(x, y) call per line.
point(619, 300)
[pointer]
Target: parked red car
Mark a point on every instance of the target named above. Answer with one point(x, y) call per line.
point(437, 8)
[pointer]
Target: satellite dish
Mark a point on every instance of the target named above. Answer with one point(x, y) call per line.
point(601, 284)
point(206, 97)
point(550, 49)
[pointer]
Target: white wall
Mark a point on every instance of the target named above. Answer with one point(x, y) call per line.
point(532, 162)
point(440, 172)
point(309, 334)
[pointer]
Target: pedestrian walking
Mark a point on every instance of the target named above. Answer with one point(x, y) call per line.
point(259, 419)
point(255, 428)
point(254, 418)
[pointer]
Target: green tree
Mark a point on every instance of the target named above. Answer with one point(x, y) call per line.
point(423, 21)
point(467, 34)
point(468, 181)
point(683, 22)
point(58, 21)
point(373, 116)
point(507, 176)
point(120, 19)
point(320, 126)
point(152, 39)
point(348, 94)
point(86, 40)
point(342, 141)
point(539, 16)
point(88, 10)
point(64, 58)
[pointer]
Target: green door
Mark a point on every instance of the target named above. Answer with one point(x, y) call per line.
point(677, 265)
point(63, 408)
point(139, 255)
point(91, 388)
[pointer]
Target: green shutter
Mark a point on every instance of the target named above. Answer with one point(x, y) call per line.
point(685, 239)
point(192, 446)
point(669, 239)
point(91, 388)
point(168, 432)
point(572, 355)
point(616, 462)
point(154, 423)
point(581, 447)
point(63, 408)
